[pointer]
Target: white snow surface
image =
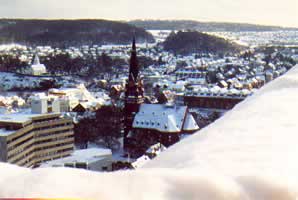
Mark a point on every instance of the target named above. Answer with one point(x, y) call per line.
point(250, 153)
point(160, 117)
point(82, 155)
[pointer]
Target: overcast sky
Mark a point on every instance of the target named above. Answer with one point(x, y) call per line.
point(271, 12)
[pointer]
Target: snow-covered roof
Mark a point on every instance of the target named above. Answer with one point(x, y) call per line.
point(16, 117)
point(190, 124)
point(83, 155)
point(160, 117)
point(141, 161)
point(79, 93)
point(20, 117)
point(156, 149)
point(36, 60)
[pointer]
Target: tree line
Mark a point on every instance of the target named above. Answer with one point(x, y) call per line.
point(188, 42)
point(63, 33)
point(105, 128)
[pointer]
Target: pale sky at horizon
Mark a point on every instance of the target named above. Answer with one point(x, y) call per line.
point(267, 12)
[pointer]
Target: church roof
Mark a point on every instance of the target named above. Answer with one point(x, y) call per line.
point(163, 118)
point(36, 60)
point(190, 124)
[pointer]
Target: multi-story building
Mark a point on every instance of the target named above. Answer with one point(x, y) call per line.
point(29, 139)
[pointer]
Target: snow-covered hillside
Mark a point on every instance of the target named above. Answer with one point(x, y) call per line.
point(12, 81)
point(250, 153)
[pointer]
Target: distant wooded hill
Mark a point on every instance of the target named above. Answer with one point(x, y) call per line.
point(202, 26)
point(195, 42)
point(69, 32)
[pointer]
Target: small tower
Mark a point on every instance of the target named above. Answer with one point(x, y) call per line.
point(134, 93)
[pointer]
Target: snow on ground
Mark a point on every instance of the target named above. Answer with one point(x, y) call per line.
point(250, 153)
point(10, 81)
point(160, 35)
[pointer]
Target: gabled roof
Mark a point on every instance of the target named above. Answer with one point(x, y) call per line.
point(190, 124)
point(36, 60)
point(163, 118)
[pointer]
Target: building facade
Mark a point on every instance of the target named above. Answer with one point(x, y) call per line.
point(46, 105)
point(28, 139)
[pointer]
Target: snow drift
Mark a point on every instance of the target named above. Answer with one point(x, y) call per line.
point(250, 153)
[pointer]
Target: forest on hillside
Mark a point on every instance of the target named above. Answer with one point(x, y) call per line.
point(188, 42)
point(63, 33)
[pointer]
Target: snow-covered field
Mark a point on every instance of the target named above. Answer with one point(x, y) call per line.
point(10, 81)
point(250, 38)
point(250, 153)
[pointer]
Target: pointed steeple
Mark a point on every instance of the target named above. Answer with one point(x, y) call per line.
point(133, 66)
point(134, 43)
point(35, 60)
point(134, 92)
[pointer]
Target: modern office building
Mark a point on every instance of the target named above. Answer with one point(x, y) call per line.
point(29, 139)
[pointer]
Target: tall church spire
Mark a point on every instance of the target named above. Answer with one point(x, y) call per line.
point(134, 93)
point(133, 66)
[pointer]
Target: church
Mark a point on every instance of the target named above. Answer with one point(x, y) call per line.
point(35, 69)
point(148, 124)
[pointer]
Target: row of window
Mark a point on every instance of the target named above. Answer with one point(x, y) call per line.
point(52, 153)
point(37, 129)
point(40, 135)
point(52, 126)
point(44, 154)
point(34, 143)
point(53, 139)
point(57, 133)
point(54, 146)
point(46, 119)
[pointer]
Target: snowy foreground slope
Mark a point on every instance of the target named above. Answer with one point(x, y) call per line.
point(250, 153)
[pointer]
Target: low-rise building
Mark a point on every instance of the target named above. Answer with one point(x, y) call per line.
point(95, 159)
